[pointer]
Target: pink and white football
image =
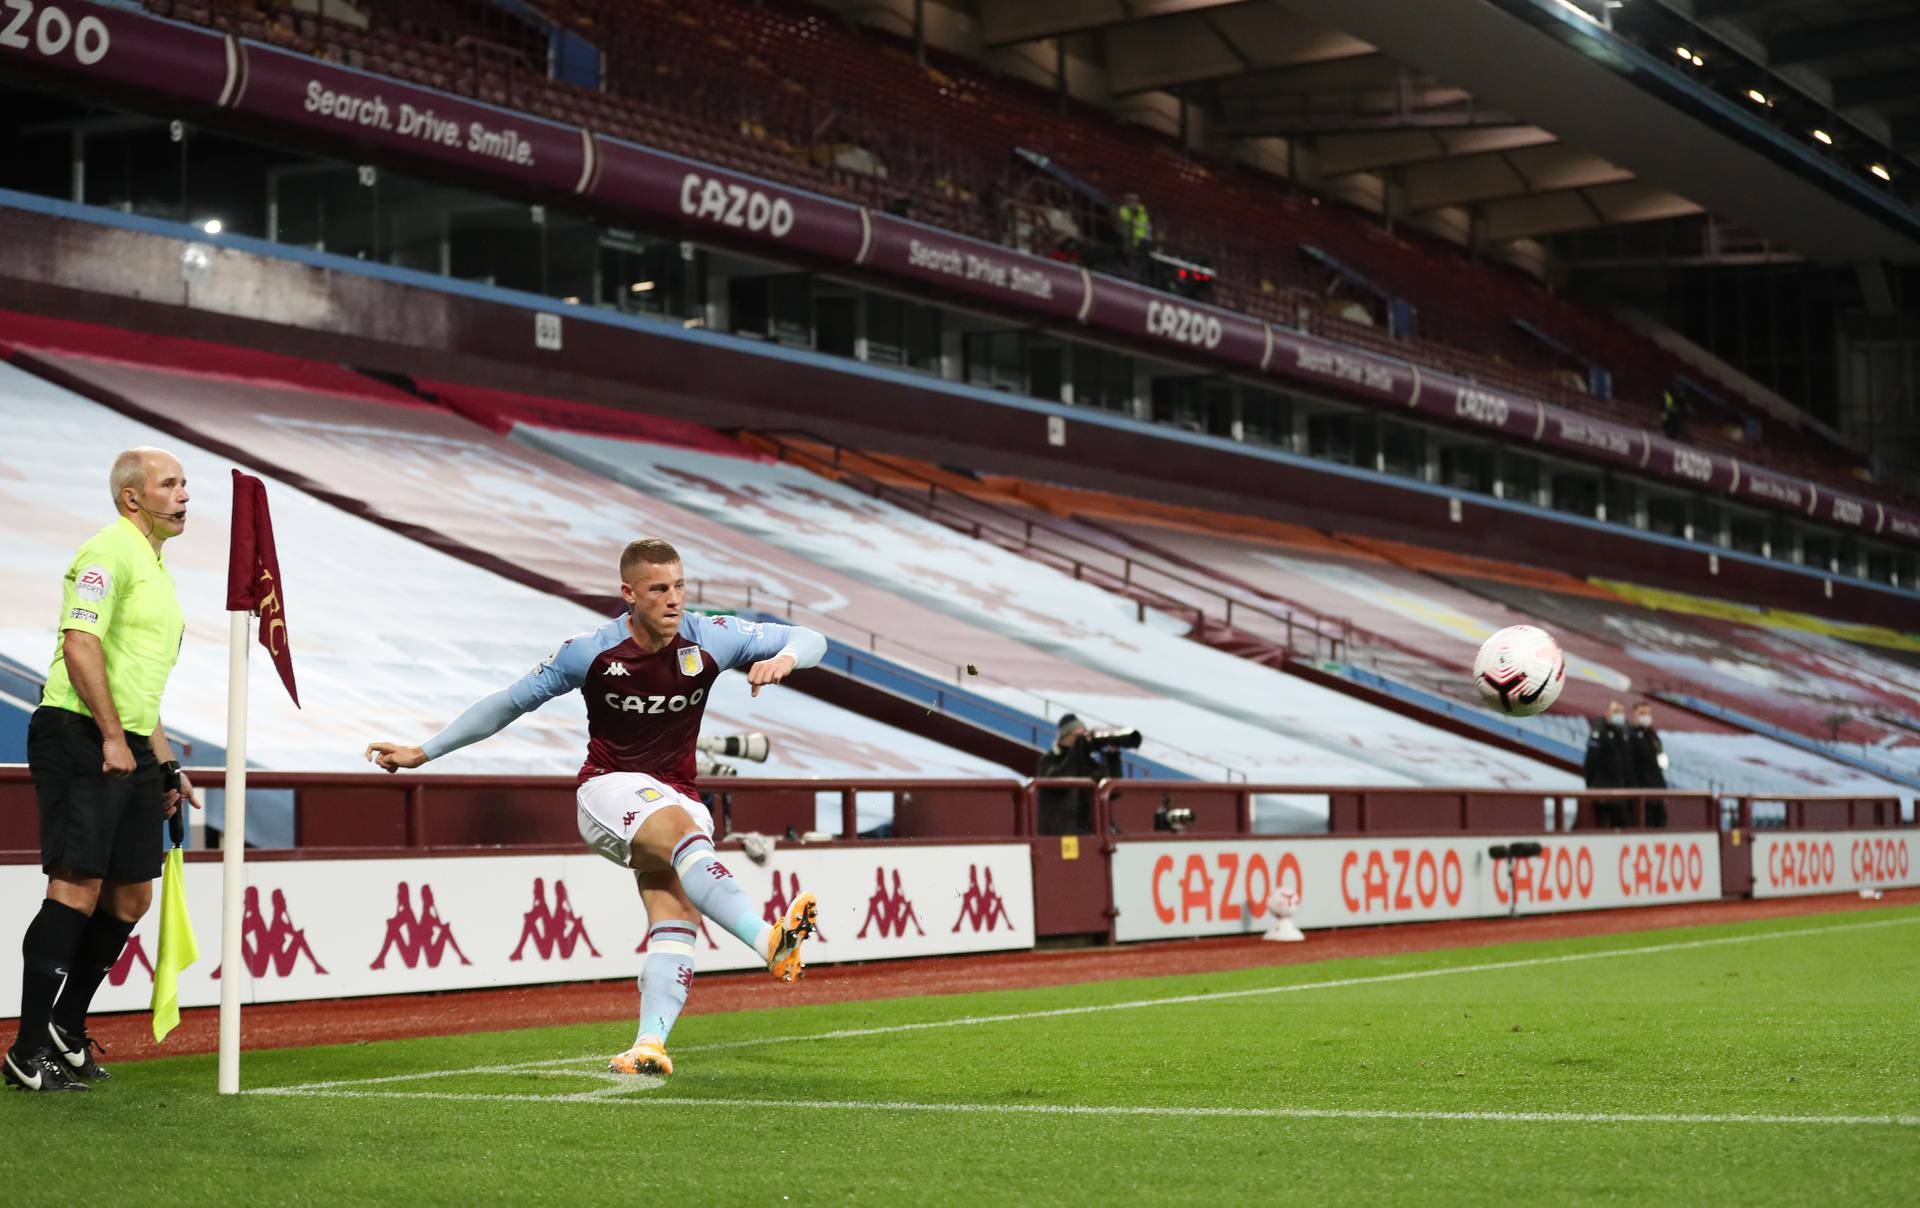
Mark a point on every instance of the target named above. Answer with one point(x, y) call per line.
point(1520, 670)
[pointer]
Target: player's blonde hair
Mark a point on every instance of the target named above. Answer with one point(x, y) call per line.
point(648, 551)
point(130, 470)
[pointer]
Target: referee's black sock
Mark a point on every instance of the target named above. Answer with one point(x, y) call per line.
point(52, 940)
point(100, 946)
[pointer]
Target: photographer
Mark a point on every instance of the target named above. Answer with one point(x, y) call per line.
point(1079, 754)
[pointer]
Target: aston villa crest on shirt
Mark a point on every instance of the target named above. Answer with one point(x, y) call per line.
point(690, 661)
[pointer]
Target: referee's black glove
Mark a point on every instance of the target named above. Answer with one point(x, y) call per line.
point(170, 783)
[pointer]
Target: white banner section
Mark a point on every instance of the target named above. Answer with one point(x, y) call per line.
point(1164, 889)
point(345, 928)
point(1834, 861)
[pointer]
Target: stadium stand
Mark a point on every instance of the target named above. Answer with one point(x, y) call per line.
point(1412, 616)
point(1246, 715)
point(384, 453)
point(791, 93)
point(867, 538)
point(373, 612)
point(1388, 619)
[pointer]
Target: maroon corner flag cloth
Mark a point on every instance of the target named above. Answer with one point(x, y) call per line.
point(253, 574)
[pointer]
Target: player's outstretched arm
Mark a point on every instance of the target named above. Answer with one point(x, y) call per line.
point(558, 673)
point(483, 719)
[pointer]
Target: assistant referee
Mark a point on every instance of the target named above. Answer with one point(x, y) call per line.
point(103, 771)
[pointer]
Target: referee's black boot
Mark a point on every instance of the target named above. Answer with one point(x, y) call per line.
point(41, 1070)
point(77, 1050)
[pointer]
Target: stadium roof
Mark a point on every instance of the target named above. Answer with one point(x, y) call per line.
point(1861, 57)
point(1528, 118)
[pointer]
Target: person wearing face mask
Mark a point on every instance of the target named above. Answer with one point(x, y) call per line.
point(1606, 763)
point(1647, 761)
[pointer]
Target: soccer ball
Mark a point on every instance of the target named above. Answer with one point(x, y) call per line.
point(1520, 670)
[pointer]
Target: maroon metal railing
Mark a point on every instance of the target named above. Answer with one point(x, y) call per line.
point(343, 810)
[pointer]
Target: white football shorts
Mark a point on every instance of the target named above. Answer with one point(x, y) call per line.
point(614, 805)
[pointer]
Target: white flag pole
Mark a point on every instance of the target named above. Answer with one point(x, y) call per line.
point(233, 842)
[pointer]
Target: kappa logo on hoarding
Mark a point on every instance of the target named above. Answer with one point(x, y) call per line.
point(423, 935)
point(981, 907)
point(892, 911)
point(276, 945)
point(123, 968)
point(550, 928)
point(781, 899)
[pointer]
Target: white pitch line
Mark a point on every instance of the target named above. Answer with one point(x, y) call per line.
point(521, 1067)
point(1138, 1003)
point(610, 1096)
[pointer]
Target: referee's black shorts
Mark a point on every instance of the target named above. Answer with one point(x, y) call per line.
point(95, 824)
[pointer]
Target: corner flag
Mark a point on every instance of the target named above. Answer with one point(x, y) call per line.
point(253, 586)
point(253, 574)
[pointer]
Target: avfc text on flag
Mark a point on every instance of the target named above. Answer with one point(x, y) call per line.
point(253, 574)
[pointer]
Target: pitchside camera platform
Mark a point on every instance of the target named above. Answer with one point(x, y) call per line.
point(1520, 670)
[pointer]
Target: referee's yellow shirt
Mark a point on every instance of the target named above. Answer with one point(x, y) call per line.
point(119, 590)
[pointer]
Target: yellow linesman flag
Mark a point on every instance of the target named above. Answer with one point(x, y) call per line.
point(177, 949)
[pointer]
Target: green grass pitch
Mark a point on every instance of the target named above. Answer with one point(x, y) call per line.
point(1759, 1063)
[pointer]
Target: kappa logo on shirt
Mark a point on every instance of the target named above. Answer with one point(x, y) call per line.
point(93, 583)
point(617, 669)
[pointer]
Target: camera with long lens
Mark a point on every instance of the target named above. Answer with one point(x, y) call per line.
point(1105, 747)
point(751, 747)
point(1171, 817)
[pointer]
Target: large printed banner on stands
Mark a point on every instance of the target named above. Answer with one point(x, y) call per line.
point(1163, 889)
point(1834, 861)
point(345, 928)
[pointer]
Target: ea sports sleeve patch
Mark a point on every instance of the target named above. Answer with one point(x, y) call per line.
point(92, 585)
